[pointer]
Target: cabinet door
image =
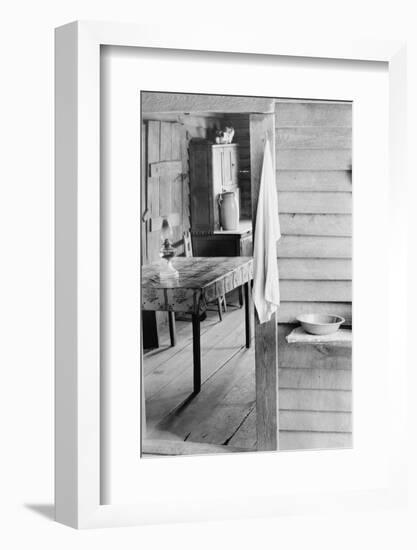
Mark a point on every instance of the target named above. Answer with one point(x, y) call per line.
point(217, 169)
point(227, 168)
point(234, 165)
point(230, 170)
point(200, 190)
point(246, 245)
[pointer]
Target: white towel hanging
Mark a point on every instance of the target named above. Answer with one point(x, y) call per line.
point(267, 233)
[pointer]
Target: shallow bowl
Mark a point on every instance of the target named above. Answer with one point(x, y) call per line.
point(315, 323)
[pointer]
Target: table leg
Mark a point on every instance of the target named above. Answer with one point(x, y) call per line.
point(247, 314)
point(240, 296)
point(149, 330)
point(196, 352)
point(171, 322)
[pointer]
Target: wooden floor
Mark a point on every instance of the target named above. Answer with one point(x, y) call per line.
point(315, 392)
point(223, 412)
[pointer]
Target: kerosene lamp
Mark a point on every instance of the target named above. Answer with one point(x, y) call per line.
point(167, 252)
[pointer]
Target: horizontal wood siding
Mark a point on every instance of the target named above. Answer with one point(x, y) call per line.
point(317, 421)
point(312, 113)
point(316, 291)
point(290, 440)
point(314, 183)
point(324, 269)
point(315, 202)
point(313, 159)
point(315, 378)
point(315, 400)
point(317, 180)
point(328, 225)
point(314, 247)
point(314, 138)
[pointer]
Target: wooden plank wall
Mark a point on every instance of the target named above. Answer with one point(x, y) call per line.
point(166, 140)
point(167, 190)
point(314, 181)
point(164, 186)
point(314, 162)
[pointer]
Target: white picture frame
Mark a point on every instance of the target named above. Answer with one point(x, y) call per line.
point(78, 448)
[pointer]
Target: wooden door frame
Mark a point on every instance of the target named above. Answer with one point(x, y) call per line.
point(261, 127)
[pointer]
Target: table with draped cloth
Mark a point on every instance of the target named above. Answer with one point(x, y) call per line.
point(200, 281)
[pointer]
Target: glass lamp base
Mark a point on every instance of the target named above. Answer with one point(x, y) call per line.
point(167, 271)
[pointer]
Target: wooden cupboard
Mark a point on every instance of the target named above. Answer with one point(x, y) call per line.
point(214, 169)
point(225, 243)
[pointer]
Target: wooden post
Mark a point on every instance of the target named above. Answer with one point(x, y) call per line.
point(247, 315)
point(196, 352)
point(266, 334)
point(172, 332)
point(143, 406)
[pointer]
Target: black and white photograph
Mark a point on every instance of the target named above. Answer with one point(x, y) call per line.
point(184, 259)
point(246, 274)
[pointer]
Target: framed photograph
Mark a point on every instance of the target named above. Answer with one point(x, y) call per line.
point(229, 330)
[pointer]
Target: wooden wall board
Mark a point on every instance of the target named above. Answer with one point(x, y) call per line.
point(314, 247)
point(330, 225)
point(314, 180)
point(167, 102)
point(165, 197)
point(176, 129)
point(289, 441)
point(185, 180)
point(314, 159)
point(315, 378)
point(293, 202)
point(315, 421)
point(153, 196)
point(314, 138)
point(315, 400)
point(154, 131)
point(316, 291)
point(165, 141)
point(295, 440)
point(153, 155)
point(315, 269)
point(176, 203)
point(313, 113)
point(167, 168)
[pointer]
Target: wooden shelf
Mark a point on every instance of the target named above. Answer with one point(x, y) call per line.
point(245, 226)
point(342, 337)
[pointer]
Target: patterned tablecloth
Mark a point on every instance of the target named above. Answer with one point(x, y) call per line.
point(201, 280)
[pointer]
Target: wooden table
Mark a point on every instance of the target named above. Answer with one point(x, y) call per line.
point(201, 281)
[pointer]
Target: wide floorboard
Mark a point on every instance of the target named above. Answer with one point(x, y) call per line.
point(217, 414)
